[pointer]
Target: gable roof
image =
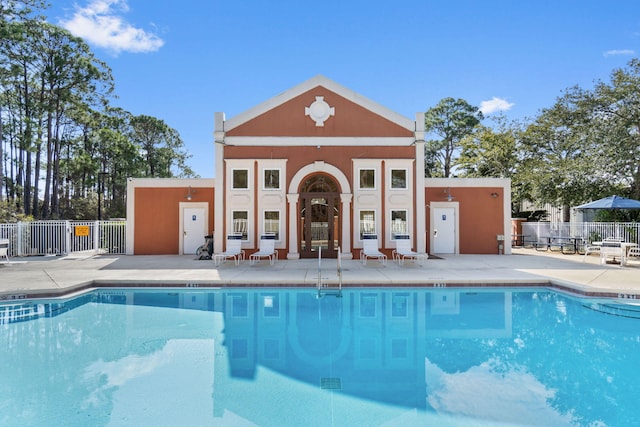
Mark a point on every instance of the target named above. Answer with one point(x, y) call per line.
point(365, 117)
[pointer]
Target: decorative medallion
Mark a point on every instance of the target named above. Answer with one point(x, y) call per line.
point(319, 111)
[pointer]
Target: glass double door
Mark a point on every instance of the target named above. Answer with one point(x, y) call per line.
point(319, 224)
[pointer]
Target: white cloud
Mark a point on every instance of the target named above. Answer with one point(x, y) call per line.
point(516, 396)
point(627, 52)
point(100, 24)
point(495, 104)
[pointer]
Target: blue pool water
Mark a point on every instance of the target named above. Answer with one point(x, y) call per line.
point(273, 357)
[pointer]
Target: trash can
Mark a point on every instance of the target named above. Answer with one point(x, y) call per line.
point(500, 239)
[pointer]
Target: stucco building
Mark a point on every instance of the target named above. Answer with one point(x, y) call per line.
point(319, 165)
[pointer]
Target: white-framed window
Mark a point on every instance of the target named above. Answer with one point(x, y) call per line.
point(399, 224)
point(367, 179)
point(271, 223)
point(240, 179)
point(398, 179)
point(367, 222)
point(240, 223)
point(271, 179)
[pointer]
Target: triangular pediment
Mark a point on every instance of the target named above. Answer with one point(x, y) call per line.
point(319, 107)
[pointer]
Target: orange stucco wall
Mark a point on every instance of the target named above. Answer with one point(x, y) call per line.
point(350, 120)
point(157, 218)
point(481, 216)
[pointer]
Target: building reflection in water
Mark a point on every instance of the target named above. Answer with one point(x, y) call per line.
point(370, 343)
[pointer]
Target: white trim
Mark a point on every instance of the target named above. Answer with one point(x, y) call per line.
point(376, 223)
point(375, 179)
point(407, 222)
point(233, 170)
point(315, 167)
point(249, 222)
point(419, 187)
point(219, 197)
point(305, 141)
point(467, 182)
point(406, 179)
point(270, 189)
point(169, 183)
point(312, 83)
point(263, 231)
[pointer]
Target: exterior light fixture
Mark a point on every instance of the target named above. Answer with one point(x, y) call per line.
point(449, 196)
point(190, 193)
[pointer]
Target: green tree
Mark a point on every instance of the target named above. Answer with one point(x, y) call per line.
point(450, 121)
point(161, 147)
point(559, 164)
point(490, 151)
point(614, 112)
point(72, 78)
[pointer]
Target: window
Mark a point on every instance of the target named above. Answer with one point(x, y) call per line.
point(399, 179)
point(367, 222)
point(240, 179)
point(368, 304)
point(240, 221)
point(272, 179)
point(367, 178)
point(270, 305)
point(272, 223)
point(398, 223)
point(239, 305)
point(399, 348)
point(400, 304)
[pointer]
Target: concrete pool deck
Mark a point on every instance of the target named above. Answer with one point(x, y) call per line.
point(32, 277)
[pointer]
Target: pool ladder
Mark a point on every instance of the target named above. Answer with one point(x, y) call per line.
point(325, 288)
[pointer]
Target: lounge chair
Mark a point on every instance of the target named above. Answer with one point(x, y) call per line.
point(403, 250)
point(370, 249)
point(4, 249)
point(266, 249)
point(234, 250)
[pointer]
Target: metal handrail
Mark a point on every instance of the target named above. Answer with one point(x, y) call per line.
point(324, 288)
point(339, 269)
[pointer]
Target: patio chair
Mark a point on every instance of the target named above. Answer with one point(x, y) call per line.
point(611, 249)
point(266, 250)
point(591, 248)
point(4, 249)
point(234, 250)
point(403, 250)
point(370, 249)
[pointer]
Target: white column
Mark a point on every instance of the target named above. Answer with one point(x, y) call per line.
point(421, 208)
point(292, 199)
point(219, 196)
point(346, 226)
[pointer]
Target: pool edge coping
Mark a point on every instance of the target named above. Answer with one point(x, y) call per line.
point(558, 285)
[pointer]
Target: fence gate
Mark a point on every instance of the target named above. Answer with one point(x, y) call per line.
point(65, 237)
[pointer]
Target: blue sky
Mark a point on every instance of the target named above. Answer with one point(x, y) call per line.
point(183, 61)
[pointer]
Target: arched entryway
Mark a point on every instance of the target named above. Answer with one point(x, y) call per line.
point(293, 199)
point(319, 216)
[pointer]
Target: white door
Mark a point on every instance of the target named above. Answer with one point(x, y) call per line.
point(444, 231)
point(193, 229)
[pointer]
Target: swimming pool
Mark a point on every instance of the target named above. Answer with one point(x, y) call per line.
point(375, 356)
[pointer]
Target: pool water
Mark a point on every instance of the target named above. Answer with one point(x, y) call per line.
point(285, 357)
